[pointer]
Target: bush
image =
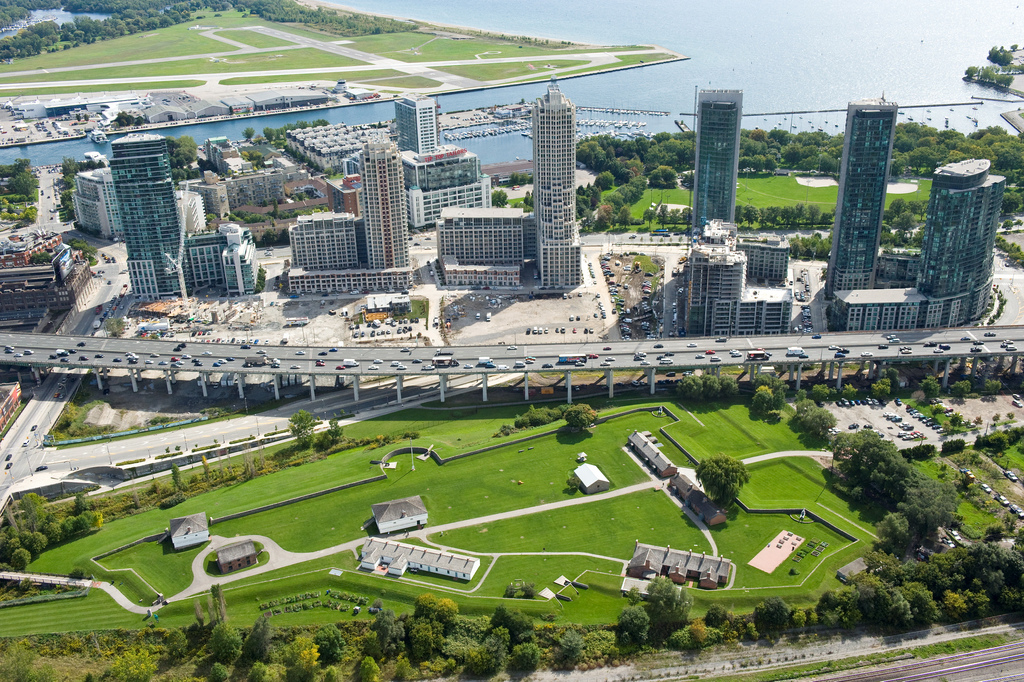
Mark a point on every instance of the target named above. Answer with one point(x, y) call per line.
point(173, 501)
point(951, 447)
point(218, 673)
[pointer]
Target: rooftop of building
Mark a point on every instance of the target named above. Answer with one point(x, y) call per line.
point(867, 296)
point(237, 551)
point(767, 294)
point(965, 168)
point(459, 212)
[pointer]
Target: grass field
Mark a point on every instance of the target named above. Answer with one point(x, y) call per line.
point(646, 516)
point(72, 89)
point(254, 39)
point(624, 60)
point(167, 570)
point(356, 76)
point(733, 430)
point(493, 72)
point(769, 190)
point(303, 58)
point(423, 47)
point(542, 571)
point(96, 611)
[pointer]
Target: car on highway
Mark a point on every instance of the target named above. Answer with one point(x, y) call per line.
point(42, 467)
point(867, 354)
point(546, 365)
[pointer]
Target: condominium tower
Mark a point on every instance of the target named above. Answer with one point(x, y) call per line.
point(554, 184)
point(959, 235)
point(416, 119)
point(383, 207)
point(719, 113)
point(867, 153)
point(153, 234)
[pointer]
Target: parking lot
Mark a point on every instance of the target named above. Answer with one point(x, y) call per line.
point(855, 417)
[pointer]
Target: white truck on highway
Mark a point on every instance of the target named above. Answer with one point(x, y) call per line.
point(795, 351)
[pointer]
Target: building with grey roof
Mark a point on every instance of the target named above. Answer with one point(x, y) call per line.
point(236, 556)
point(647, 447)
point(694, 498)
point(395, 558)
point(591, 479)
point(188, 531)
point(679, 566)
point(408, 512)
point(877, 309)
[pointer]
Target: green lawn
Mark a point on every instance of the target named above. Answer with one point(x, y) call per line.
point(359, 76)
point(493, 72)
point(542, 571)
point(762, 190)
point(97, 611)
point(646, 516)
point(736, 432)
point(303, 58)
point(424, 47)
point(744, 535)
point(254, 39)
point(122, 87)
point(167, 570)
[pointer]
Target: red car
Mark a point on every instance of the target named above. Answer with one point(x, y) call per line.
point(607, 348)
point(593, 356)
point(709, 352)
point(320, 363)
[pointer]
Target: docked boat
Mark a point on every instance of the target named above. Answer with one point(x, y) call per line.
point(97, 135)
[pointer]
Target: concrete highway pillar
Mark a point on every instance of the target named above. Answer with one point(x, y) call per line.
point(398, 386)
point(483, 381)
point(135, 384)
point(444, 385)
point(1013, 365)
point(799, 375)
point(831, 370)
point(36, 375)
point(167, 378)
point(355, 388)
point(202, 383)
point(610, 382)
point(312, 387)
point(174, 377)
point(757, 371)
point(718, 370)
point(240, 380)
point(935, 366)
point(568, 386)
point(945, 375)
point(790, 369)
point(974, 366)
point(99, 379)
point(651, 379)
point(277, 387)
point(526, 385)
point(839, 377)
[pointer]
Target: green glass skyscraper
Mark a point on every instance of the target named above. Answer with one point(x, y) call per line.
point(867, 152)
point(959, 235)
point(719, 113)
point(153, 234)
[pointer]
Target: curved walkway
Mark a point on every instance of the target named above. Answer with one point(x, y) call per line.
point(823, 456)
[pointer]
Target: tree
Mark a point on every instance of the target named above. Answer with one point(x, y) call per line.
point(176, 476)
point(928, 504)
point(881, 389)
point(633, 625)
point(662, 177)
point(390, 632)
point(114, 326)
point(764, 401)
point(572, 646)
point(225, 643)
point(722, 477)
point(369, 671)
point(820, 393)
point(248, 133)
point(580, 416)
point(257, 642)
point(930, 387)
point(218, 673)
point(667, 602)
point(893, 534)
point(525, 657)
point(716, 615)
point(993, 386)
point(818, 421)
point(301, 424)
point(301, 661)
point(772, 614)
point(961, 389)
point(134, 665)
point(499, 198)
point(330, 643)
point(41, 258)
point(16, 665)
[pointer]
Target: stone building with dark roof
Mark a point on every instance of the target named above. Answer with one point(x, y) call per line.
point(236, 556)
point(694, 498)
point(647, 447)
point(679, 566)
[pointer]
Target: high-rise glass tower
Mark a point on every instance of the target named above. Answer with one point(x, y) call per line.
point(383, 206)
point(719, 113)
point(959, 235)
point(554, 189)
point(416, 118)
point(867, 153)
point(153, 234)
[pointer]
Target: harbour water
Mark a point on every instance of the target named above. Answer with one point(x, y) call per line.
point(790, 55)
point(56, 15)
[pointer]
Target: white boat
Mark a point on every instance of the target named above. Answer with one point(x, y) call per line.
point(97, 135)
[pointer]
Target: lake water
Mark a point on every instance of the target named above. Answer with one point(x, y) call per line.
point(56, 15)
point(789, 55)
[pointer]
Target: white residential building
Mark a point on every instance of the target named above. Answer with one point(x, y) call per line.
point(324, 241)
point(95, 204)
point(416, 119)
point(408, 512)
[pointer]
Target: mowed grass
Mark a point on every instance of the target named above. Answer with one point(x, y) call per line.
point(744, 535)
point(305, 78)
point(173, 41)
point(98, 610)
point(424, 47)
point(493, 72)
point(618, 522)
point(542, 571)
point(624, 61)
point(302, 58)
point(254, 39)
point(167, 570)
point(732, 429)
point(762, 190)
point(122, 87)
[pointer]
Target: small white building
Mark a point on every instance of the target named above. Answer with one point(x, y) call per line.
point(591, 479)
point(399, 557)
point(189, 531)
point(396, 515)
